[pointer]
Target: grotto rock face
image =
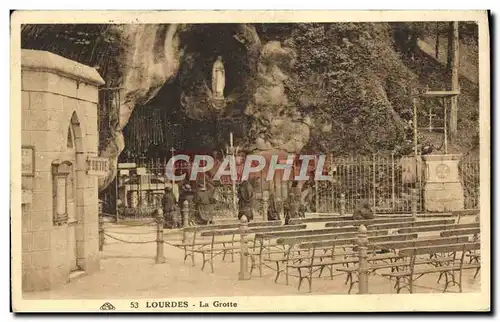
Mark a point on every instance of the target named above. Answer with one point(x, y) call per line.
point(278, 124)
point(150, 56)
point(258, 88)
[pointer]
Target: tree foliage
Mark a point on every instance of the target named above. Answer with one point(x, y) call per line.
point(350, 75)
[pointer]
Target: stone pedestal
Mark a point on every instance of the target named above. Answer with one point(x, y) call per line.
point(443, 190)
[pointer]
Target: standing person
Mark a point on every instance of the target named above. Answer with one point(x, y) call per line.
point(202, 207)
point(169, 207)
point(292, 208)
point(363, 211)
point(306, 197)
point(245, 200)
point(273, 212)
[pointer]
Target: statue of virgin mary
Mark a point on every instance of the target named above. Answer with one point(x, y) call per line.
point(218, 79)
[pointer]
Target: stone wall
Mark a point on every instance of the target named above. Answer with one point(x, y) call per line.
point(57, 93)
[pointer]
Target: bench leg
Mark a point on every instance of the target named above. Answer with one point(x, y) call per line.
point(477, 272)
point(252, 264)
point(349, 277)
point(277, 272)
point(453, 281)
point(232, 251)
point(351, 285)
point(188, 253)
point(286, 272)
point(224, 251)
point(460, 281)
point(398, 285)
point(321, 271)
point(260, 264)
point(310, 277)
point(446, 282)
point(300, 277)
point(192, 255)
point(204, 261)
point(212, 261)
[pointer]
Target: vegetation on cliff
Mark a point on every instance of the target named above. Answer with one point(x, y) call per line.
point(342, 88)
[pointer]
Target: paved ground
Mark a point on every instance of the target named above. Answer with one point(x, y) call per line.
point(129, 271)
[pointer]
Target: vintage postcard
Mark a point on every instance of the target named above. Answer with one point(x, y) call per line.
point(250, 161)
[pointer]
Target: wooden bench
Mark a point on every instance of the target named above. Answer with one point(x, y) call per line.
point(406, 278)
point(341, 223)
point(263, 241)
point(432, 228)
point(475, 257)
point(286, 239)
point(318, 219)
point(289, 249)
point(323, 237)
point(192, 244)
point(470, 233)
point(419, 215)
point(460, 232)
point(412, 224)
point(311, 263)
point(213, 251)
point(461, 213)
point(397, 261)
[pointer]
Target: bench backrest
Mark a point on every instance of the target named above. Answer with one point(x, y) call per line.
point(460, 232)
point(420, 242)
point(368, 222)
point(308, 232)
point(420, 215)
point(353, 241)
point(412, 224)
point(329, 237)
point(272, 223)
point(318, 219)
point(467, 212)
point(253, 230)
point(413, 251)
point(437, 228)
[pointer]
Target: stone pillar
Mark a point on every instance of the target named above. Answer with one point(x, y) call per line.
point(362, 257)
point(443, 190)
point(160, 258)
point(243, 273)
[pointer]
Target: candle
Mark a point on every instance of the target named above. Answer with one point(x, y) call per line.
point(231, 139)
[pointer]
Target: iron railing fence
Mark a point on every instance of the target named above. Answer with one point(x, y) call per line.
point(383, 181)
point(469, 174)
